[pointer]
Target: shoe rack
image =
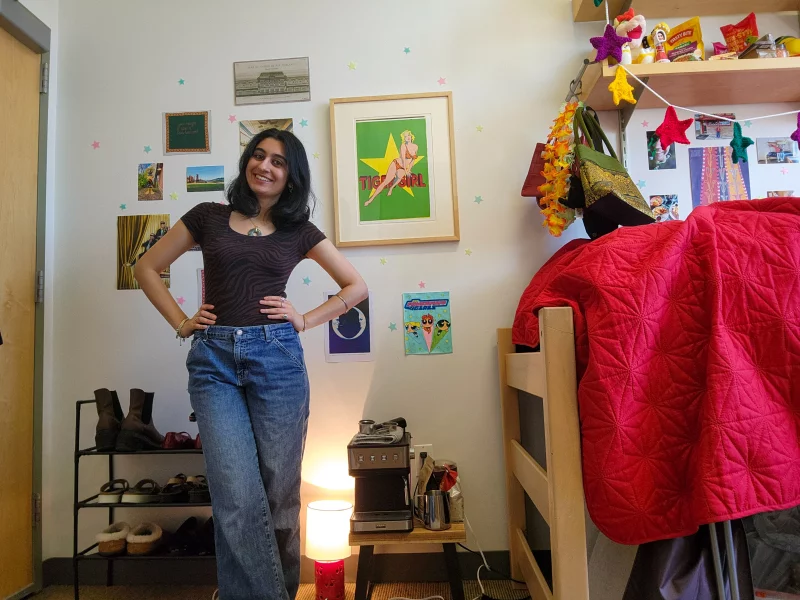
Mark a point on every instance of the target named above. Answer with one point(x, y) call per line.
point(90, 553)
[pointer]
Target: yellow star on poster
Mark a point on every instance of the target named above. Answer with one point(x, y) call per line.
point(620, 88)
point(381, 165)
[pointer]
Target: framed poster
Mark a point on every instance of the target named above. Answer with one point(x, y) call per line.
point(270, 81)
point(394, 169)
point(186, 133)
point(348, 337)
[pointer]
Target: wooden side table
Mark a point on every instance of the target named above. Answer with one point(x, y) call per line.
point(448, 539)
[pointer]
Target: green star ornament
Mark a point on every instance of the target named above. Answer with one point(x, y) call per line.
point(739, 143)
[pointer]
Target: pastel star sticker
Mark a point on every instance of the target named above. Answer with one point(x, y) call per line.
point(645, 124)
point(232, 118)
point(479, 128)
point(303, 123)
point(316, 154)
point(784, 171)
point(673, 129)
point(641, 184)
point(95, 144)
point(748, 123)
point(180, 300)
point(351, 66)
point(407, 50)
point(306, 281)
point(609, 44)
point(181, 82)
point(478, 199)
point(174, 195)
point(442, 80)
point(421, 285)
point(392, 326)
point(620, 88)
point(147, 149)
point(383, 261)
point(123, 206)
point(796, 135)
point(468, 252)
point(739, 144)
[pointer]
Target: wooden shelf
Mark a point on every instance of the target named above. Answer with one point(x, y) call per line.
point(701, 83)
point(585, 10)
point(420, 535)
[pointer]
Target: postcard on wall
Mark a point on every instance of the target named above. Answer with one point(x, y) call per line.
point(659, 159)
point(205, 179)
point(248, 129)
point(395, 170)
point(773, 151)
point(270, 81)
point(715, 177)
point(665, 207)
point(348, 337)
point(780, 194)
point(710, 128)
point(151, 181)
point(187, 133)
point(427, 323)
point(201, 286)
point(136, 234)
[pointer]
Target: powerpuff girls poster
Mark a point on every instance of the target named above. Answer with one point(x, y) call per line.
point(427, 323)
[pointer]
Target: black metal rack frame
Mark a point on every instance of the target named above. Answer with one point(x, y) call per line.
point(86, 553)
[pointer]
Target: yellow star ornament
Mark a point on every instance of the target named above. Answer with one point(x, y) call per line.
point(620, 88)
point(381, 165)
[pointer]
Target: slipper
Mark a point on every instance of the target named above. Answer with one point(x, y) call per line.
point(112, 491)
point(198, 490)
point(184, 541)
point(144, 492)
point(174, 492)
point(144, 539)
point(179, 478)
point(178, 441)
point(112, 541)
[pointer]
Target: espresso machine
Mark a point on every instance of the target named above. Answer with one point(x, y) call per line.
point(379, 460)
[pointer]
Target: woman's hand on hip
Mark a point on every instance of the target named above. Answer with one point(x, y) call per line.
point(203, 319)
point(280, 309)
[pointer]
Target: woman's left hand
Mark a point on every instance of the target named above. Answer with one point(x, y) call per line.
point(281, 309)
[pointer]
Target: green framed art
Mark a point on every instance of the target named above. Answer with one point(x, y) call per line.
point(187, 133)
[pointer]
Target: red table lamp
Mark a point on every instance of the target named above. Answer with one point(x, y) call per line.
point(327, 531)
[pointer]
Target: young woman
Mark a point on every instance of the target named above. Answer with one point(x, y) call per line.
point(247, 376)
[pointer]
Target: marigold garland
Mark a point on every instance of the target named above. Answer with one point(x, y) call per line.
point(559, 154)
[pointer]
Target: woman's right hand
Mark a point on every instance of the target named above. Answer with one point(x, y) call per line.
point(203, 319)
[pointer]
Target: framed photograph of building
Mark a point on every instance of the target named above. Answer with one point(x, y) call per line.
point(187, 133)
point(394, 169)
point(270, 81)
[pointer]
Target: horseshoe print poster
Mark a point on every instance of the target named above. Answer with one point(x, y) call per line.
point(349, 337)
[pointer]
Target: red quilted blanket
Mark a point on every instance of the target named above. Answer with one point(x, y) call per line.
point(688, 351)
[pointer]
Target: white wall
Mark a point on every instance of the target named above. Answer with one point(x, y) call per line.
point(507, 62)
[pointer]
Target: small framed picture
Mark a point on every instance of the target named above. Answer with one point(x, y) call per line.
point(187, 133)
point(348, 337)
point(270, 81)
point(394, 169)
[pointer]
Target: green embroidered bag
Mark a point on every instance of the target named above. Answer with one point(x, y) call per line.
point(609, 189)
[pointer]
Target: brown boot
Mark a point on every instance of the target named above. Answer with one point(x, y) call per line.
point(138, 431)
point(109, 416)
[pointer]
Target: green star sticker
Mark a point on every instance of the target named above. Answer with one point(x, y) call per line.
point(478, 199)
point(306, 281)
point(174, 195)
point(407, 50)
point(123, 206)
point(392, 326)
point(181, 82)
point(739, 143)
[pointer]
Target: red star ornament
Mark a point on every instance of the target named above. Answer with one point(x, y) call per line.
point(673, 129)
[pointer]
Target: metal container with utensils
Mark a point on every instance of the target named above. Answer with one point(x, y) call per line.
point(433, 509)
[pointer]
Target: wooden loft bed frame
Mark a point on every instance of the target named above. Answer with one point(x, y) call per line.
point(557, 491)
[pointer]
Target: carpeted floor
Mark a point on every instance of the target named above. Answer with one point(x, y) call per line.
point(501, 590)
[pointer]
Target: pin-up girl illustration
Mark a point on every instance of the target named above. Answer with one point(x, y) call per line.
point(400, 167)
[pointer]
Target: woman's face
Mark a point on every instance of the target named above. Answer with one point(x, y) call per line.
point(267, 171)
point(408, 138)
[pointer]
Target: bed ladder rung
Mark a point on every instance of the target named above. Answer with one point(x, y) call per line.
point(537, 585)
point(532, 477)
point(526, 372)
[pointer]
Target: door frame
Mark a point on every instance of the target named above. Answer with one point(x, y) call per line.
point(23, 25)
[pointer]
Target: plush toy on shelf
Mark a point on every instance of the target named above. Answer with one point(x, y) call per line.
point(631, 25)
point(659, 38)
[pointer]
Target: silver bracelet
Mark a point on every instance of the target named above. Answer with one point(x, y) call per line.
point(344, 301)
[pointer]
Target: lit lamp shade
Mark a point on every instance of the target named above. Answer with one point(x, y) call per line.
point(327, 530)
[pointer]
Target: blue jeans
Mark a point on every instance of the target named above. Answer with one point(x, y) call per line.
point(249, 390)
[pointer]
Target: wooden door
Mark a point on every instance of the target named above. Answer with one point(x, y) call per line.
point(19, 140)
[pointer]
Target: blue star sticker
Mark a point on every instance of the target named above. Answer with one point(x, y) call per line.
point(303, 123)
point(306, 281)
point(407, 50)
point(181, 82)
point(123, 206)
point(147, 149)
point(478, 199)
point(392, 327)
point(641, 183)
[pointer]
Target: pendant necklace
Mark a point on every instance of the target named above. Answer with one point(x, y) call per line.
point(255, 231)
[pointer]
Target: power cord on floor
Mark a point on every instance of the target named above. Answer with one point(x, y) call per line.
point(503, 575)
point(485, 565)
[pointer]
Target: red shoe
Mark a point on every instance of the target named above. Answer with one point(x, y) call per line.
point(178, 441)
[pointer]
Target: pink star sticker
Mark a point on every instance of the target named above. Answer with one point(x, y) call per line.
point(421, 285)
point(180, 300)
point(95, 144)
point(645, 123)
point(785, 171)
point(232, 118)
point(442, 80)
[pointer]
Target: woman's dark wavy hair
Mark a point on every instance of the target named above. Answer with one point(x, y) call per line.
point(293, 207)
